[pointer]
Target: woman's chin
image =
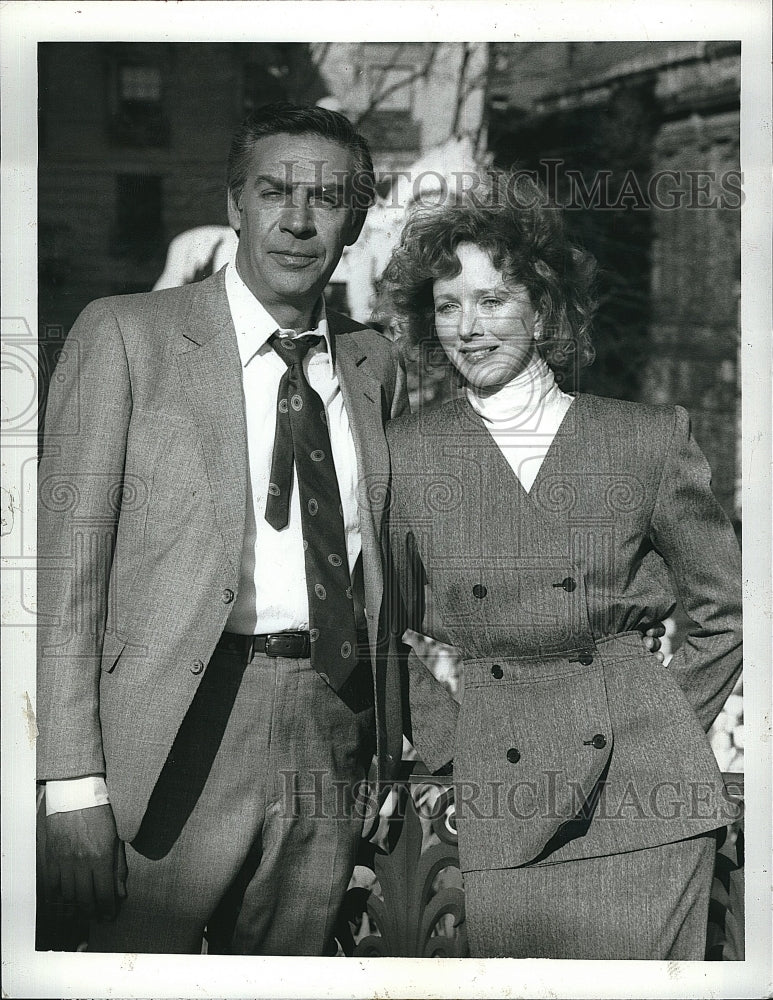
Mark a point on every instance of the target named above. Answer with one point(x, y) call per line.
point(486, 378)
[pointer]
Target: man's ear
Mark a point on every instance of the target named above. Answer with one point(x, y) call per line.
point(234, 213)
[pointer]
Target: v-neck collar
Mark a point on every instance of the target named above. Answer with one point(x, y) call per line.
point(553, 461)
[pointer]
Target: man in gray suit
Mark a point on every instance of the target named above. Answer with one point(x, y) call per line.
point(213, 676)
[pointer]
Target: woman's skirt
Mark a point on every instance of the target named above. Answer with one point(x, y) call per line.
point(646, 904)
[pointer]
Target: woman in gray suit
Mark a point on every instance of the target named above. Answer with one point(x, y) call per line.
point(542, 533)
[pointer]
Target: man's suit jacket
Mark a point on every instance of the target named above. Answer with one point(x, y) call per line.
point(545, 595)
point(143, 492)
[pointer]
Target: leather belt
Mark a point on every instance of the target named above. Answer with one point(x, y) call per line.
point(295, 645)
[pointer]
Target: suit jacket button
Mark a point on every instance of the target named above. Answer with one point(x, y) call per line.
point(479, 591)
point(497, 671)
point(567, 583)
point(228, 596)
point(598, 742)
point(513, 755)
point(586, 659)
point(197, 666)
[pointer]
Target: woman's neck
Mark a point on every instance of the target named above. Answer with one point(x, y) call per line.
point(522, 394)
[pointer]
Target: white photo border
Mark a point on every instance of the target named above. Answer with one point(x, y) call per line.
point(27, 973)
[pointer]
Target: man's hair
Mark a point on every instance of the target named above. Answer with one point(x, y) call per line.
point(512, 220)
point(296, 119)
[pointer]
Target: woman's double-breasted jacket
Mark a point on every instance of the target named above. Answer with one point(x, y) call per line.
point(572, 741)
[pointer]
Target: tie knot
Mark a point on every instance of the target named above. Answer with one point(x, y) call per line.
point(293, 350)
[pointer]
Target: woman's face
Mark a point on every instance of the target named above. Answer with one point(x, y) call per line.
point(485, 324)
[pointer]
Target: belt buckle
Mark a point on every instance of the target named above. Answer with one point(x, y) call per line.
point(293, 645)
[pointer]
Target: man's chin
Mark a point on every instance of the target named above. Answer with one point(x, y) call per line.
point(301, 286)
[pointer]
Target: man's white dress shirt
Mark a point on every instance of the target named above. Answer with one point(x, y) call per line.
point(272, 593)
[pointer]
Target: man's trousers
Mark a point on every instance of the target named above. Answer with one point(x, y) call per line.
point(267, 852)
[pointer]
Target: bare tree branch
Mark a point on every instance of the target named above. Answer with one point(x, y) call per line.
point(461, 96)
point(392, 64)
point(480, 142)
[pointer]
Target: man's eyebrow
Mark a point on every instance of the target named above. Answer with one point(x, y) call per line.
point(279, 182)
point(284, 185)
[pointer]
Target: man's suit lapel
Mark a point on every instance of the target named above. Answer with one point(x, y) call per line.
point(363, 395)
point(211, 374)
point(364, 401)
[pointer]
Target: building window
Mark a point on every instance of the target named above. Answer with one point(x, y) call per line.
point(139, 85)
point(388, 123)
point(138, 118)
point(138, 231)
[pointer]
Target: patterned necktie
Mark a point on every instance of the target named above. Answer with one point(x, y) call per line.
point(302, 436)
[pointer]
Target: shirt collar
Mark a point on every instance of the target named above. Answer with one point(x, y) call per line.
point(531, 395)
point(254, 324)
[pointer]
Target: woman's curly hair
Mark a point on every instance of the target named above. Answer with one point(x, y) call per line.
point(525, 236)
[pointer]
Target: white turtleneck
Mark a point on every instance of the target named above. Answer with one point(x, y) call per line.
point(523, 417)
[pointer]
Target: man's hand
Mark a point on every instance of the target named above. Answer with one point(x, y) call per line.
point(651, 640)
point(85, 861)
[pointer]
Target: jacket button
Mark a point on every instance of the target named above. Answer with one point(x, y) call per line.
point(497, 671)
point(228, 596)
point(197, 666)
point(479, 591)
point(598, 742)
point(586, 659)
point(513, 755)
point(567, 583)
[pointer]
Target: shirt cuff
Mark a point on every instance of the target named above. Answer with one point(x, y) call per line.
point(75, 793)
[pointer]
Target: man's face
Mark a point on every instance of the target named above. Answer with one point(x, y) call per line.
point(295, 219)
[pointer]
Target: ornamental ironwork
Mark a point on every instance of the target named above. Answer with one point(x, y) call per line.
point(406, 897)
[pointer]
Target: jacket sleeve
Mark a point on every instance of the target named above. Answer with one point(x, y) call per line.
point(429, 711)
point(79, 499)
point(697, 542)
